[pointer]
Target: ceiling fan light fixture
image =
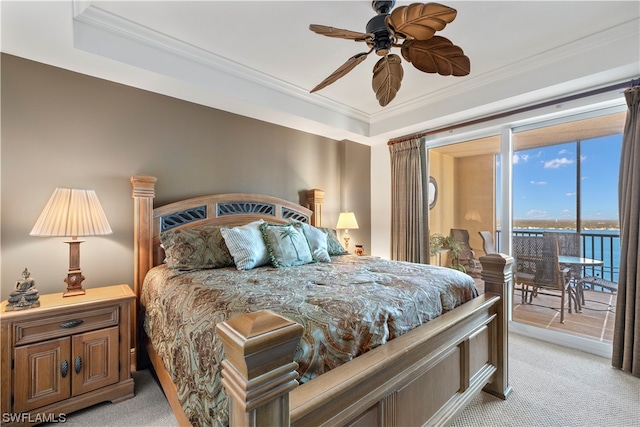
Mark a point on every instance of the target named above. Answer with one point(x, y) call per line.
point(415, 25)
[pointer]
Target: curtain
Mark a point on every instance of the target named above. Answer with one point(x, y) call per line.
point(409, 240)
point(626, 335)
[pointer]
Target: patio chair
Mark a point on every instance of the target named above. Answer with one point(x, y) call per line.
point(467, 256)
point(603, 284)
point(538, 270)
point(568, 244)
point(488, 245)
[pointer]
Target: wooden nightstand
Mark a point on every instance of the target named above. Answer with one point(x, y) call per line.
point(65, 355)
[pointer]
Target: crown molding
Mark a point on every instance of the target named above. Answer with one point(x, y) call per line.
point(188, 55)
point(578, 66)
point(126, 41)
point(606, 39)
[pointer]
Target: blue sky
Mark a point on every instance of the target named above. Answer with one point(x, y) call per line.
point(545, 180)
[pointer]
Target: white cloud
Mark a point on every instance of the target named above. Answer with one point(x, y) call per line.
point(538, 182)
point(556, 163)
point(536, 213)
point(566, 213)
point(517, 158)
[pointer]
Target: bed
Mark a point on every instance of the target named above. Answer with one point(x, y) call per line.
point(244, 338)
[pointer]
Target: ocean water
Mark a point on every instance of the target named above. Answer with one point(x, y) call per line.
point(604, 245)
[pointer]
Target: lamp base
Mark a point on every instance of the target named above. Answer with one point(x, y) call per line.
point(346, 241)
point(74, 275)
point(74, 284)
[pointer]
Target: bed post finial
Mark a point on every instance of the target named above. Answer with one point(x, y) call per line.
point(259, 372)
point(497, 275)
point(143, 194)
point(315, 199)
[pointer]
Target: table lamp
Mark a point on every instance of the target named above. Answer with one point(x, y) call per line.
point(347, 221)
point(72, 213)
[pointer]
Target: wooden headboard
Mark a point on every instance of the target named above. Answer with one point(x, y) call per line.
point(218, 209)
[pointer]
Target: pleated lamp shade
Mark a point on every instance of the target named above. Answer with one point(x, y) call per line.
point(72, 213)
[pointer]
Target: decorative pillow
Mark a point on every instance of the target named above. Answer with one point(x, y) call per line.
point(246, 245)
point(195, 248)
point(286, 244)
point(317, 241)
point(333, 244)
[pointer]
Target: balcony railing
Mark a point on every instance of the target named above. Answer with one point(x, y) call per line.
point(603, 245)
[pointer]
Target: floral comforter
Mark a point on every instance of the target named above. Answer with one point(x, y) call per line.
point(347, 307)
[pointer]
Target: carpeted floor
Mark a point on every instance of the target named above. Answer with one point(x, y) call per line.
point(149, 408)
point(557, 386)
point(552, 386)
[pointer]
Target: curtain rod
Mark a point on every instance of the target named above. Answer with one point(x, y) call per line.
point(424, 133)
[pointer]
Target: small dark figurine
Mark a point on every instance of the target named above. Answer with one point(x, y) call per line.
point(25, 295)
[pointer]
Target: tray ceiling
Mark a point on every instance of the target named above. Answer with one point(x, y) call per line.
point(259, 59)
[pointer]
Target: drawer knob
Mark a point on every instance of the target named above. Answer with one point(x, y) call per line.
point(64, 369)
point(71, 323)
point(78, 364)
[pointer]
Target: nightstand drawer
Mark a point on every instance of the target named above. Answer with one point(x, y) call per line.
point(62, 325)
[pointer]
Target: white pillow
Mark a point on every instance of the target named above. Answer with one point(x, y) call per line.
point(317, 242)
point(246, 245)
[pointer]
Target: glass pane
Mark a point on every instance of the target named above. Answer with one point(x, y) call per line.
point(600, 164)
point(599, 169)
point(466, 198)
point(565, 178)
point(544, 187)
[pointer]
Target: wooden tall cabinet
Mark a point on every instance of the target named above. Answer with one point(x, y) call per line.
point(67, 354)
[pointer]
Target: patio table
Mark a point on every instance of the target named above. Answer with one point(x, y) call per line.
point(569, 261)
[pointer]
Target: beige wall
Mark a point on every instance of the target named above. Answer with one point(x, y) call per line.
point(441, 218)
point(63, 129)
point(475, 198)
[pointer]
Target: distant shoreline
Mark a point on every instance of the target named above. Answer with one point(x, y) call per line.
point(547, 224)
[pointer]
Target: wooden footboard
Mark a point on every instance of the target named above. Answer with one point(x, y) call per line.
point(425, 377)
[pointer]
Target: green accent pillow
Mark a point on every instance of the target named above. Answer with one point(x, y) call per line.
point(333, 244)
point(195, 248)
point(317, 241)
point(286, 244)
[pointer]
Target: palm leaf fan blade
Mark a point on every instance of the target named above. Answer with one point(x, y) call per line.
point(420, 21)
point(387, 78)
point(436, 55)
point(342, 70)
point(339, 33)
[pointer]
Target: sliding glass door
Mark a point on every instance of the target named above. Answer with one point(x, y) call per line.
point(557, 176)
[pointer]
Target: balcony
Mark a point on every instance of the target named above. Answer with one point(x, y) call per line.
point(596, 320)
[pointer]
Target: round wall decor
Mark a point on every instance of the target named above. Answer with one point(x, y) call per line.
point(432, 192)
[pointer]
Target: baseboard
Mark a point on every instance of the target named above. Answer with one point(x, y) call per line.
point(587, 345)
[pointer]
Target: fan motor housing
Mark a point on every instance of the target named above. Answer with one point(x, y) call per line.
point(381, 35)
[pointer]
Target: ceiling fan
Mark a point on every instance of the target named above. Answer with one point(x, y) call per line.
point(416, 25)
